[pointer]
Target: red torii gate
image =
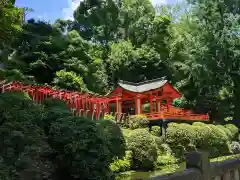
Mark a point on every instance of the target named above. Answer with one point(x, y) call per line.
point(86, 104)
point(80, 103)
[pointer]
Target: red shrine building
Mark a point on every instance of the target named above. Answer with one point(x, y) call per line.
point(153, 98)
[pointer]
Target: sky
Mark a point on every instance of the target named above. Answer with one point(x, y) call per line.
point(50, 10)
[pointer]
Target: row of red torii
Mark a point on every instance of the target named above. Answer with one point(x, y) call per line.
point(81, 104)
point(95, 107)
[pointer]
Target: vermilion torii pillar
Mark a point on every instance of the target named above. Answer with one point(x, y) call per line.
point(138, 105)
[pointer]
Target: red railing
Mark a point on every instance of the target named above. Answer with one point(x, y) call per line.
point(176, 113)
point(82, 104)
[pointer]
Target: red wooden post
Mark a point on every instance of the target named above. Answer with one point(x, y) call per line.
point(138, 105)
point(151, 103)
point(83, 102)
point(97, 110)
point(117, 105)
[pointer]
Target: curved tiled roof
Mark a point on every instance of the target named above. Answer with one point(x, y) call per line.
point(143, 86)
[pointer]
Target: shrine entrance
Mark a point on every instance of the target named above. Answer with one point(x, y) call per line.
point(147, 97)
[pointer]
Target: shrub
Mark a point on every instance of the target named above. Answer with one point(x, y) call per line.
point(180, 134)
point(81, 150)
point(233, 129)
point(109, 117)
point(179, 152)
point(114, 138)
point(156, 131)
point(235, 147)
point(164, 149)
point(121, 165)
point(210, 137)
point(24, 149)
point(138, 121)
point(54, 109)
point(142, 144)
point(158, 141)
point(226, 131)
point(190, 148)
point(19, 107)
point(165, 160)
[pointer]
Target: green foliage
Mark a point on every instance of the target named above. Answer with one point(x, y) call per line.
point(54, 109)
point(227, 132)
point(114, 138)
point(11, 18)
point(165, 160)
point(156, 131)
point(212, 138)
point(137, 121)
point(233, 129)
point(164, 149)
point(122, 165)
point(190, 148)
point(179, 152)
point(109, 117)
point(24, 149)
point(180, 134)
point(142, 145)
point(197, 136)
point(69, 80)
point(81, 150)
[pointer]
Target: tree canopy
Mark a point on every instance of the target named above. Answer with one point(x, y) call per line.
point(194, 44)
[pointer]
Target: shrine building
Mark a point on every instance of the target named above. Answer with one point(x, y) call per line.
point(153, 98)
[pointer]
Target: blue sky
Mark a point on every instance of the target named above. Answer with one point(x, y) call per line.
point(50, 10)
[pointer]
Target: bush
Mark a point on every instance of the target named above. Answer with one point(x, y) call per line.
point(235, 147)
point(227, 132)
point(210, 137)
point(109, 117)
point(233, 129)
point(190, 148)
point(165, 160)
point(24, 149)
point(164, 149)
point(122, 165)
point(158, 141)
point(142, 144)
point(156, 131)
point(81, 150)
point(179, 152)
point(114, 138)
point(180, 134)
point(54, 109)
point(138, 121)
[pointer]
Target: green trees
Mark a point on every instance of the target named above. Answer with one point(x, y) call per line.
point(10, 22)
point(195, 45)
point(48, 142)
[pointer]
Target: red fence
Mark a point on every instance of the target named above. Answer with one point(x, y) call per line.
point(95, 107)
point(80, 103)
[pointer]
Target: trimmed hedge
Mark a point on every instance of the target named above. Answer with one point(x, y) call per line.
point(113, 136)
point(199, 135)
point(138, 121)
point(142, 144)
point(81, 150)
point(233, 129)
